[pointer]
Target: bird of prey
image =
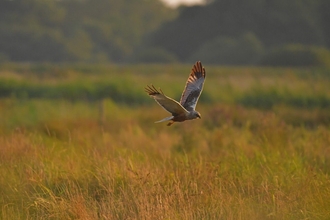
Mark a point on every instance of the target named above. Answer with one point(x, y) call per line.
point(185, 109)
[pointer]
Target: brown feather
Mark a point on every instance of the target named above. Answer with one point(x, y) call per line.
point(167, 103)
point(194, 87)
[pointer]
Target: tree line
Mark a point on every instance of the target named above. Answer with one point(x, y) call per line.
point(230, 32)
point(76, 30)
point(248, 32)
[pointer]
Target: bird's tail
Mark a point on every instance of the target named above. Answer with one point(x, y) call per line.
point(165, 119)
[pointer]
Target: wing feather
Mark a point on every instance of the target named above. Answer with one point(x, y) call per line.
point(194, 87)
point(166, 102)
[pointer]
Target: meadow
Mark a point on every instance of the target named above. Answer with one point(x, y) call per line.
point(79, 142)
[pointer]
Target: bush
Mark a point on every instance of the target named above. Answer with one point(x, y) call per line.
point(121, 91)
point(243, 50)
point(3, 57)
point(267, 98)
point(297, 55)
point(155, 55)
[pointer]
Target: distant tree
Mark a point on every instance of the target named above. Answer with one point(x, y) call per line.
point(3, 58)
point(275, 22)
point(183, 35)
point(297, 55)
point(324, 9)
point(286, 22)
point(115, 27)
point(76, 30)
point(154, 55)
point(244, 50)
point(29, 30)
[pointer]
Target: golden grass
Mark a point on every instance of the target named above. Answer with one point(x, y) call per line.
point(60, 160)
point(235, 163)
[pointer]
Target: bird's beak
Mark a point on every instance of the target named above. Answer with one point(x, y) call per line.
point(199, 116)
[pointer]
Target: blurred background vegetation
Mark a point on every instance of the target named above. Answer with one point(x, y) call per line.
point(263, 88)
point(226, 32)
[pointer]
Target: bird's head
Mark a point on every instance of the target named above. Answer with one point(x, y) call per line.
point(198, 115)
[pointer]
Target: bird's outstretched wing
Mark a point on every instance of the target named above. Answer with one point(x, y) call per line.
point(166, 102)
point(194, 87)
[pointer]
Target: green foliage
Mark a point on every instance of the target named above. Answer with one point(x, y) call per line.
point(119, 91)
point(267, 98)
point(273, 22)
point(71, 30)
point(154, 55)
point(244, 50)
point(3, 58)
point(29, 30)
point(115, 31)
point(297, 55)
point(263, 88)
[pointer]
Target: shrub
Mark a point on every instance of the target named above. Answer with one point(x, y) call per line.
point(243, 50)
point(3, 57)
point(297, 55)
point(155, 55)
point(266, 98)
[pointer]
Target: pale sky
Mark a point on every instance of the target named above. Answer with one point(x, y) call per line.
point(174, 3)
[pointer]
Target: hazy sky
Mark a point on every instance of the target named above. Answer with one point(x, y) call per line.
point(178, 2)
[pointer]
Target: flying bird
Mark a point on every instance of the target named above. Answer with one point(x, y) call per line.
point(185, 109)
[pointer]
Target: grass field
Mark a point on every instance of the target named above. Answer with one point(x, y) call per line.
point(79, 142)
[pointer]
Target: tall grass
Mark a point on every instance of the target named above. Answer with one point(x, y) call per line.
point(58, 162)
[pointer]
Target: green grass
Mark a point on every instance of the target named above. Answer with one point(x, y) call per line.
point(64, 158)
point(251, 87)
